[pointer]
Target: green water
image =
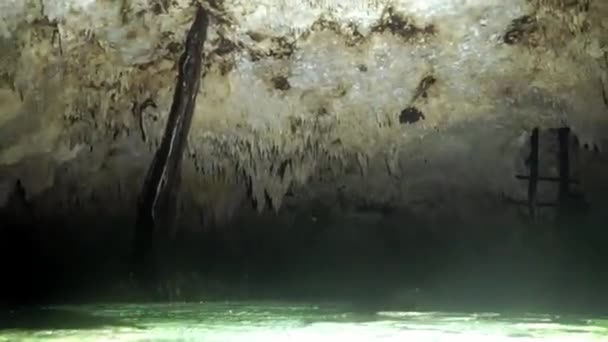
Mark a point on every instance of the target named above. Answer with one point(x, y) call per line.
point(285, 322)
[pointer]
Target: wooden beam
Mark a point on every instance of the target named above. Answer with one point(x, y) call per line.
point(547, 179)
point(533, 181)
point(564, 163)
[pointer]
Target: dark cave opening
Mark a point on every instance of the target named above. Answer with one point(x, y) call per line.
point(361, 253)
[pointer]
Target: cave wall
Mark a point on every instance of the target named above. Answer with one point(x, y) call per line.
point(422, 104)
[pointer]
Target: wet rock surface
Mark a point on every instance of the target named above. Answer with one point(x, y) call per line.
point(86, 86)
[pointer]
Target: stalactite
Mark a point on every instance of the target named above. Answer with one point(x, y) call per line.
point(392, 161)
point(362, 160)
point(271, 164)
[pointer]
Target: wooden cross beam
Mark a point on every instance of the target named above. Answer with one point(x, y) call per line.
point(548, 179)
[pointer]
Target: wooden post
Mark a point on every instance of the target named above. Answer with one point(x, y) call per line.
point(564, 164)
point(157, 204)
point(533, 181)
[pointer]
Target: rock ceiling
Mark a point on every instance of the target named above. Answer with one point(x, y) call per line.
point(293, 88)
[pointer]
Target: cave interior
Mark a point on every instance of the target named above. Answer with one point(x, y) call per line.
point(401, 154)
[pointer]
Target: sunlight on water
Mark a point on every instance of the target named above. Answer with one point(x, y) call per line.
point(285, 322)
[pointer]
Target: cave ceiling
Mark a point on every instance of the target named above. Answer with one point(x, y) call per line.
point(294, 89)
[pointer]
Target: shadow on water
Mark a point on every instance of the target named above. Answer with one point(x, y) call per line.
point(55, 319)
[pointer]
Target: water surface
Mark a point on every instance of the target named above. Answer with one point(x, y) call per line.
point(285, 322)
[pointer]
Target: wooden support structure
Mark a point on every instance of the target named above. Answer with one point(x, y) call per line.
point(534, 178)
point(157, 204)
point(564, 164)
point(547, 179)
point(533, 181)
